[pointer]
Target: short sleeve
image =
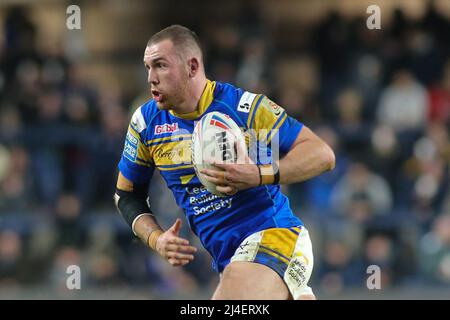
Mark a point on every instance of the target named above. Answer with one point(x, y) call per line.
point(272, 124)
point(136, 163)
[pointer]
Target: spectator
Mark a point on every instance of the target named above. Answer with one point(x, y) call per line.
point(403, 104)
point(439, 99)
point(12, 266)
point(379, 250)
point(435, 251)
point(354, 133)
point(16, 185)
point(67, 217)
point(362, 194)
point(340, 268)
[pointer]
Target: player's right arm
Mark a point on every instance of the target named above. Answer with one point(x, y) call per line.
point(131, 201)
point(135, 171)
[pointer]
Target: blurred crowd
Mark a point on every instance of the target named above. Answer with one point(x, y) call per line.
point(380, 98)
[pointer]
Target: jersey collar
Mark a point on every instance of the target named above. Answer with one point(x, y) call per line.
point(206, 99)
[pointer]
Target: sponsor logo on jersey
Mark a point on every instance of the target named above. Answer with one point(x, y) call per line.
point(130, 149)
point(166, 128)
point(202, 201)
point(132, 138)
point(173, 154)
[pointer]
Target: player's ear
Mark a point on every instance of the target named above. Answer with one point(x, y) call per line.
point(194, 66)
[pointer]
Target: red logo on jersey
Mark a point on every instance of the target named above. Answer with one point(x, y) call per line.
point(166, 128)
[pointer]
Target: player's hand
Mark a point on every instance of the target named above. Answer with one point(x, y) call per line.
point(232, 177)
point(173, 248)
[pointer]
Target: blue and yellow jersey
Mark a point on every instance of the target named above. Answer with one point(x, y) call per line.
point(162, 139)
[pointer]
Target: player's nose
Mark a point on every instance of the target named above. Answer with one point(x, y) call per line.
point(152, 77)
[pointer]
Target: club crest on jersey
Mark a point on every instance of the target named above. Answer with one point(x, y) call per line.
point(276, 109)
point(166, 128)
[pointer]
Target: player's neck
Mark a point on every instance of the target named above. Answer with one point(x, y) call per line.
point(190, 104)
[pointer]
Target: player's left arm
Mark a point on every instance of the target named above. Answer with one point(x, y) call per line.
point(308, 157)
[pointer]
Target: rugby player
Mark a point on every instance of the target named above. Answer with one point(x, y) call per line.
point(260, 248)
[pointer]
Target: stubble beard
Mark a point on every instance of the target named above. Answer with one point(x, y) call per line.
point(179, 96)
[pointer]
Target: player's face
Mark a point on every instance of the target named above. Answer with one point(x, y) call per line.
point(167, 76)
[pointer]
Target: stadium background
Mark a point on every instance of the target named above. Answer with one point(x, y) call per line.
point(381, 98)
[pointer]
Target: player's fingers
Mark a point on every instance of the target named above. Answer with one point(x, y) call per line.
point(177, 240)
point(214, 180)
point(218, 177)
point(178, 263)
point(226, 189)
point(223, 166)
point(210, 173)
point(174, 262)
point(180, 256)
point(184, 262)
point(181, 248)
point(175, 228)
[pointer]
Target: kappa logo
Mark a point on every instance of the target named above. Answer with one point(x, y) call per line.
point(242, 246)
point(243, 249)
point(166, 128)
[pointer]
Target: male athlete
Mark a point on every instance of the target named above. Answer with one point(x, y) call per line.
point(259, 247)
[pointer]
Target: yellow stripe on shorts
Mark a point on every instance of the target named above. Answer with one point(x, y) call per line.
point(280, 240)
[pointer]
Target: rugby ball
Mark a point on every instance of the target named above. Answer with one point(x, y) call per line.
point(214, 140)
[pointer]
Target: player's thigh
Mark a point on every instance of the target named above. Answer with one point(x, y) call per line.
point(249, 280)
point(286, 251)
